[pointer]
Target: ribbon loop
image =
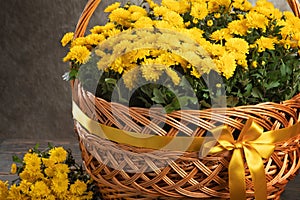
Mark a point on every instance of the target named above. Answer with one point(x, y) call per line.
point(246, 146)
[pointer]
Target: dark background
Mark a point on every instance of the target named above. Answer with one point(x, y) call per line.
point(35, 102)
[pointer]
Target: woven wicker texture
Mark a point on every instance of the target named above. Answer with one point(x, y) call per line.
point(127, 172)
point(180, 174)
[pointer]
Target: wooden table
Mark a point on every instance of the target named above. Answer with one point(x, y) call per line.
point(8, 148)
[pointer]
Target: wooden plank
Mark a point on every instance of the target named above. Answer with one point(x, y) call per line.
point(8, 148)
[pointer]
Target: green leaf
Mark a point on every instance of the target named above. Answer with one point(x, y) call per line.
point(145, 101)
point(16, 159)
point(272, 85)
point(146, 90)
point(50, 146)
point(36, 146)
point(174, 105)
point(256, 93)
point(111, 81)
point(158, 96)
point(248, 89)
point(283, 69)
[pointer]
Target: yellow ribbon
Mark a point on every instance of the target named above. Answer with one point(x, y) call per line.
point(180, 143)
point(253, 144)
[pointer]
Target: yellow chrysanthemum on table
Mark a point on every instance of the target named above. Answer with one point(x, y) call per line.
point(249, 47)
point(49, 174)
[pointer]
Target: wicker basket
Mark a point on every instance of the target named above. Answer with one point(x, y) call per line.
point(123, 171)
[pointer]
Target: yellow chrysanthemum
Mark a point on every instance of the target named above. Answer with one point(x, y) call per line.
point(100, 29)
point(193, 33)
point(151, 71)
point(3, 189)
point(137, 9)
point(31, 175)
point(25, 186)
point(242, 5)
point(237, 45)
point(152, 4)
point(39, 190)
point(178, 6)
point(217, 15)
point(50, 171)
point(120, 16)
point(58, 154)
point(206, 45)
point(238, 27)
point(199, 10)
point(173, 75)
point(61, 169)
point(226, 64)
point(241, 59)
point(80, 41)
point(267, 9)
point(118, 65)
point(162, 24)
point(174, 19)
point(291, 26)
point(214, 5)
point(179, 60)
point(210, 23)
point(195, 72)
point(137, 12)
point(206, 65)
point(217, 50)
point(264, 43)
point(112, 7)
point(47, 162)
point(13, 168)
point(222, 34)
point(94, 39)
point(160, 11)
point(32, 161)
point(131, 77)
point(254, 64)
point(67, 38)
point(294, 42)
point(256, 20)
point(59, 185)
point(143, 22)
point(78, 188)
point(135, 16)
point(79, 54)
point(15, 193)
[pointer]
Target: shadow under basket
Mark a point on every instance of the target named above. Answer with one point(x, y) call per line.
point(127, 172)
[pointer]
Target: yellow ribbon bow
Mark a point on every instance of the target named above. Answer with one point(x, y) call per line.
point(253, 144)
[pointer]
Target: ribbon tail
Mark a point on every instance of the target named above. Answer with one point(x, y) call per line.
point(256, 167)
point(237, 185)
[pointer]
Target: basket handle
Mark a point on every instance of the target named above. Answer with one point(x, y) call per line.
point(295, 6)
point(85, 17)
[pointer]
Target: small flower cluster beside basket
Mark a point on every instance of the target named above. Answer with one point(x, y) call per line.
point(188, 98)
point(51, 173)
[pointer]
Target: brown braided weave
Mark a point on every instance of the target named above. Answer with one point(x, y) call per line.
point(127, 172)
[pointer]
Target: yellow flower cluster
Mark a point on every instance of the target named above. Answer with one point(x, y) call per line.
point(45, 178)
point(154, 52)
point(226, 44)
